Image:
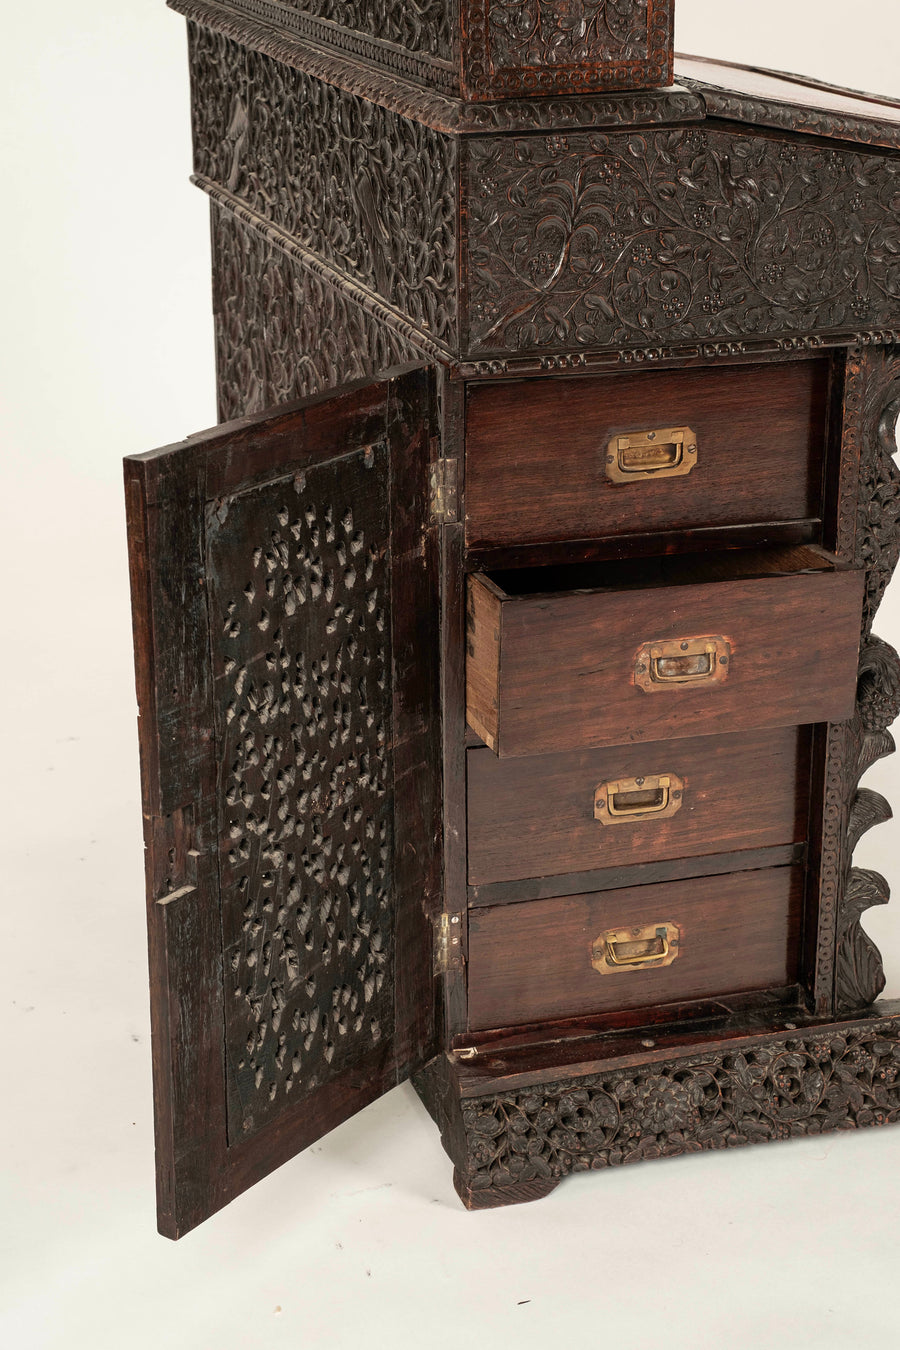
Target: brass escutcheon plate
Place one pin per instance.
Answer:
(668, 452)
(620, 951)
(624, 801)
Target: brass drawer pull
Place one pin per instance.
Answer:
(670, 452)
(622, 949)
(631, 800)
(693, 662)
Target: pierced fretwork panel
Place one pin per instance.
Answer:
(301, 657)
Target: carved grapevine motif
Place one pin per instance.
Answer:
(300, 639)
(282, 332)
(802, 1085)
(596, 240)
(367, 191)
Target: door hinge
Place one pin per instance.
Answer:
(447, 943)
(444, 486)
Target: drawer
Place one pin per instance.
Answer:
(564, 658)
(546, 815)
(573, 956)
(539, 453)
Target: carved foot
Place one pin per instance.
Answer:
(493, 1197)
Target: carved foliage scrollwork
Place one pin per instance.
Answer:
(542, 46)
(369, 192)
(545, 33)
(859, 974)
(598, 240)
(300, 633)
(282, 332)
(793, 1086)
(878, 522)
(872, 402)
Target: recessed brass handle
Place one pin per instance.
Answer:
(685, 662)
(631, 800)
(622, 949)
(669, 452)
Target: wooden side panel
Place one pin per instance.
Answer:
(537, 449)
(284, 573)
(535, 816)
(483, 619)
(567, 676)
(532, 961)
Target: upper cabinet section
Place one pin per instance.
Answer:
(508, 233)
(482, 49)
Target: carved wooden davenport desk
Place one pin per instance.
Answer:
(503, 715)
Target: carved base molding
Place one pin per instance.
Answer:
(513, 1137)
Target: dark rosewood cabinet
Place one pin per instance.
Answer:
(505, 657)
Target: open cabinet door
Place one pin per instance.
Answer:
(284, 581)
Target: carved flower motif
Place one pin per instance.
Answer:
(662, 1105)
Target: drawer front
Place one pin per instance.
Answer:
(538, 451)
(705, 938)
(547, 815)
(548, 673)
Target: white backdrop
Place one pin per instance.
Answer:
(107, 350)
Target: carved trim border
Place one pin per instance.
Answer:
(397, 60)
(372, 304)
(436, 110)
(795, 117)
(535, 364)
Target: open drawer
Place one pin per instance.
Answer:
(611, 653)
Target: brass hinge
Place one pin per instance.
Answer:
(444, 486)
(447, 943)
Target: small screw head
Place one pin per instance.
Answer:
(677, 796)
(648, 1045)
(684, 646)
(640, 782)
(723, 660)
(651, 435)
(610, 459)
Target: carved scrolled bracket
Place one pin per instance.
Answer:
(859, 974)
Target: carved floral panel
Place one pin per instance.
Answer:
(369, 192)
(802, 1085)
(282, 331)
(593, 240)
(555, 46)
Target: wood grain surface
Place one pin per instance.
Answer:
(536, 452)
(534, 816)
(533, 961)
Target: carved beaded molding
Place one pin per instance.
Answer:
(415, 39)
(792, 1085)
